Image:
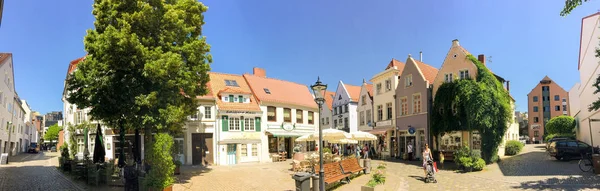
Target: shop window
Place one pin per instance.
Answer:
(271, 113)
(287, 115)
(299, 116)
(272, 144)
(244, 150)
(254, 150)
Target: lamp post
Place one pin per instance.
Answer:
(590, 120)
(319, 90)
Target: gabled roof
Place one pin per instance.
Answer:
(353, 91)
(280, 91)
(398, 64)
(4, 56)
(329, 99)
(369, 89)
(548, 80)
(234, 91)
(217, 85)
(428, 71)
(73, 64)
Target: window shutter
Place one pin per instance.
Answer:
(241, 123)
(257, 124)
(230, 98)
(241, 98)
(225, 123)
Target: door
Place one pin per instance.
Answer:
(208, 152)
(196, 149)
(288, 147)
(231, 154)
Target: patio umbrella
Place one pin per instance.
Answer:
(363, 136)
(344, 141)
(333, 135)
(305, 138)
(99, 152)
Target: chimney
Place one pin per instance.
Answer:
(421, 56)
(508, 85)
(259, 72)
(481, 58)
(455, 43)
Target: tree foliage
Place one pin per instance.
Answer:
(480, 104)
(561, 125)
(147, 62)
(163, 167)
(570, 5)
(52, 133)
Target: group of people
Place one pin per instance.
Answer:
(351, 149)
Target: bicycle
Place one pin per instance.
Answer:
(585, 163)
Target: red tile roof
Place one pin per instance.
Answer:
(281, 91)
(329, 99)
(398, 64)
(4, 56)
(217, 84)
(370, 89)
(353, 91)
(74, 63)
(429, 72)
(233, 90)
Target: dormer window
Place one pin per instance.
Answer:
(231, 83)
(267, 90)
(408, 80)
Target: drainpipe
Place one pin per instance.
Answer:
(429, 107)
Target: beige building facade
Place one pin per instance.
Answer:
(545, 101)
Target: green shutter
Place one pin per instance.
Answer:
(241, 99)
(241, 124)
(230, 98)
(257, 124)
(225, 123)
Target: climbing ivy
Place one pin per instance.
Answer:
(480, 104)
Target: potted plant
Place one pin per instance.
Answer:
(377, 179)
(160, 176)
(177, 164)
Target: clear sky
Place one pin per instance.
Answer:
(344, 40)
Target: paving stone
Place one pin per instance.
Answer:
(33, 172)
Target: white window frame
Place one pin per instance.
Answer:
(234, 121)
(408, 81)
(207, 112)
(226, 98)
(249, 124)
(388, 85)
(378, 86)
(463, 74)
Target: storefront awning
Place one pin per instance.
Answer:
(284, 133)
(240, 141)
(379, 131)
(242, 138)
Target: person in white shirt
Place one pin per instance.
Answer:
(410, 150)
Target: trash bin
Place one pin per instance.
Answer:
(367, 166)
(302, 181)
(315, 182)
(596, 162)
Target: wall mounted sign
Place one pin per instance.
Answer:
(411, 130)
(242, 112)
(288, 126)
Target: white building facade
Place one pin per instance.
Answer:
(365, 107)
(344, 107)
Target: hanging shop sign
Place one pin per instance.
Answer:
(288, 126)
(411, 130)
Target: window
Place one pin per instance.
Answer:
(535, 98)
(241, 99)
(267, 91)
(346, 124)
(564, 100)
(556, 98)
(234, 124)
(80, 145)
(346, 108)
(248, 124)
(536, 133)
(271, 113)
(448, 77)
(207, 112)
(287, 115)
(417, 103)
(311, 116)
(299, 116)
(378, 88)
(231, 98)
(341, 109)
(335, 111)
(389, 110)
(572, 144)
(340, 97)
(327, 120)
(388, 85)
(226, 98)
(363, 100)
(322, 121)
(564, 107)
(236, 99)
(408, 81)
(194, 116)
(335, 123)
(536, 119)
(368, 113)
(254, 150)
(231, 83)
(557, 108)
(379, 113)
(244, 150)
(464, 74)
(341, 122)
(404, 106)
(545, 88)
(361, 116)
(535, 109)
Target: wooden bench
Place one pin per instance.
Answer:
(351, 165)
(333, 172)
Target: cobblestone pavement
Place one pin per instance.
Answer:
(34, 172)
(533, 169)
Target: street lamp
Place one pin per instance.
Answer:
(319, 89)
(590, 120)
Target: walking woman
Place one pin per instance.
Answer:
(426, 156)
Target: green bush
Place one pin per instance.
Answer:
(64, 151)
(462, 152)
(465, 162)
(513, 147)
(327, 150)
(479, 164)
(159, 157)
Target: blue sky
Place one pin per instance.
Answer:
(344, 40)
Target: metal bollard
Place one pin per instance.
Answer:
(315, 182)
(367, 166)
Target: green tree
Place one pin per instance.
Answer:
(480, 104)
(147, 62)
(570, 5)
(52, 133)
(561, 125)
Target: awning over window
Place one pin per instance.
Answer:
(379, 131)
(242, 138)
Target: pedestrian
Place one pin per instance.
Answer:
(426, 156)
(317, 147)
(366, 151)
(357, 151)
(409, 148)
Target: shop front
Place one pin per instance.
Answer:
(281, 138)
(454, 140)
(239, 140)
(412, 130)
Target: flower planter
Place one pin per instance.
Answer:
(368, 188)
(177, 170)
(168, 188)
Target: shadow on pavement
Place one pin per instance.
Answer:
(570, 183)
(419, 178)
(538, 163)
(187, 172)
(540, 147)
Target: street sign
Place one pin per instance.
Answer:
(411, 130)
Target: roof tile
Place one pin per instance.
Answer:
(354, 91)
(4, 56)
(280, 91)
(329, 99)
(217, 84)
(429, 72)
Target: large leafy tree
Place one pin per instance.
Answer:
(561, 125)
(480, 104)
(52, 133)
(147, 61)
(570, 5)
